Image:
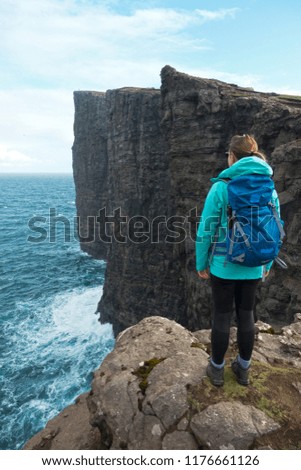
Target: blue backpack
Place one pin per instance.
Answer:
(255, 231)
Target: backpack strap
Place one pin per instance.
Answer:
(277, 218)
(215, 238)
(278, 260)
(281, 263)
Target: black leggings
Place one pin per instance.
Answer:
(225, 293)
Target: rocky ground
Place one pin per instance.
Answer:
(151, 392)
(70, 430)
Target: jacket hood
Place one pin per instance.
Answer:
(245, 166)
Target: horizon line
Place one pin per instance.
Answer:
(36, 173)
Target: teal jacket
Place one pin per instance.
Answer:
(214, 216)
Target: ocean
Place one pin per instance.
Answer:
(50, 338)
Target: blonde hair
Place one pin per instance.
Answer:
(245, 146)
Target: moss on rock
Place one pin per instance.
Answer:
(143, 372)
(271, 390)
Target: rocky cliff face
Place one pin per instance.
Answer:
(144, 157)
(151, 392)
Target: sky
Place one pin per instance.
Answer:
(50, 48)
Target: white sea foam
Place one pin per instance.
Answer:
(72, 313)
(56, 348)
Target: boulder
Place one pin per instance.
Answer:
(151, 392)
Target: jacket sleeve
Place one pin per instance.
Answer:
(208, 225)
(275, 200)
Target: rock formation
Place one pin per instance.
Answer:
(69, 430)
(151, 392)
(144, 157)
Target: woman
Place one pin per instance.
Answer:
(231, 283)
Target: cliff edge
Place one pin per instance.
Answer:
(142, 162)
(151, 392)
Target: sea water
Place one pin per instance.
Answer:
(50, 338)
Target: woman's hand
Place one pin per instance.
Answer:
(204, 274)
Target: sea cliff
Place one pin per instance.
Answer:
(142, 161)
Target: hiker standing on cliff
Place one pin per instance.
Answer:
(234, 282)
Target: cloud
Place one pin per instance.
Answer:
(36, 129)
(207, 15)
(50, 48)
(70, 43)
(10, 157)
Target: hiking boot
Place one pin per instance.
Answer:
(215, 375)
(242, 375)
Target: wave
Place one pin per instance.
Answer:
(48, 359)
(51, 341)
